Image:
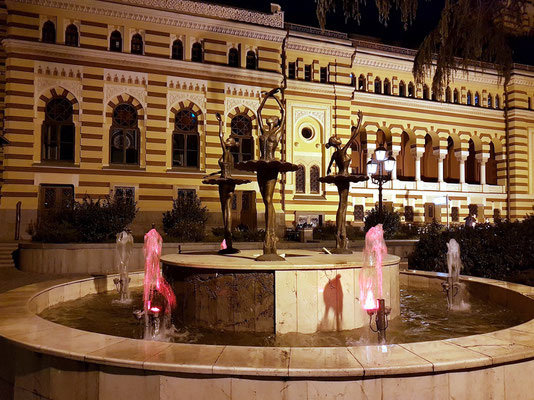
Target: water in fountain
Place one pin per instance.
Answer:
(124, 251)
(158, 297)
(453, 288)
(371, 274)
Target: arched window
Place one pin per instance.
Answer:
(472, 166)
(425, 92)
(448, 95)
(300, 180)
(469, 98)
(402, 89)
(411, 90)
(490, 102)
(185, 139)
(241, 131)
(177, 50)
(378, 85)
(456, 97)
(115, 41)
(196, 52)
(352, 80)
(387, 86)
(137, 44)
(315, 186)
(124, 135)
(58, 131)
(497, 102)
(405, 160)
(233, 57)
(49, 32)
(71, 35)
(429, 163)
(451, 165)
(477, 99)
(491, 166)
(251, 60)
(361, 83)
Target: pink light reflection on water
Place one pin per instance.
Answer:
(154, 282)
(371, 274)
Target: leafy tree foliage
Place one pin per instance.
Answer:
(187, 219)
(390, 221)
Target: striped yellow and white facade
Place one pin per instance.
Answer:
(323, 97)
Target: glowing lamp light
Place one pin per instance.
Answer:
(372, 167)
(389, 164)
(380, 153)
(155, 309)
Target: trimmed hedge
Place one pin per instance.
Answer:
(490, 251)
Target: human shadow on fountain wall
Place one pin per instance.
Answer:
(333, 299)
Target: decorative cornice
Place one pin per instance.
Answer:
(159, 17)
(328, 49)
(125, 77)
(190, 84)
(275, 20)
(232, 89)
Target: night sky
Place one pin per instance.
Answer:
(428, 13)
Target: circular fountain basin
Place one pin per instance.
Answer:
(57, 362)
(308, 292)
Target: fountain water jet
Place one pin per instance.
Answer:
(452, 287)
(124, 251)
(158, 297)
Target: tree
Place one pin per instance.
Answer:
(468, 31)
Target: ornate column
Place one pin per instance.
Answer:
(440, 155)
(462, 157)
(482, 158)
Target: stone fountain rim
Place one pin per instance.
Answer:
(20, 325)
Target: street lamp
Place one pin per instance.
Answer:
(379, 168)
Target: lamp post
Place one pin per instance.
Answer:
(379, 169)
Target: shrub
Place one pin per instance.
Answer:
(186, 220)
(89, 221)
(492, 251)
(390, 221)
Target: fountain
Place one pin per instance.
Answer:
(342, 180)
(226, 184)
(124, 251)
(158, 297)
(452, 286)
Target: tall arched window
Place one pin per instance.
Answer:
(315, 186)
(469, 98)
(448, 95)
(58, 131)
(352, 80)
(251, 60)
(451, 165)
(185, 139)
(49, 32)
(425, 92)
(490, 102)
(411, 90)
(361, 83)
(233, 57)
(177, 50)
(300, 179)
(456, 97)
(429, 163)
(402, 89)
(115, 41)
(491, 166)
(387, 86)
(71, 35)
(497, 102)
(124, 135)
(378, 85)
(477, 99)
(405, 160)
(196, 52)
(472, 166)
(137, 44)
(241, 131)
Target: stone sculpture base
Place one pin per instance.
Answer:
(343, 185)
(226, 190)
(267, 172)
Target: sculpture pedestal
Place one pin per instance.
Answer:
(226, 190)
(267, 172)
(343, 185)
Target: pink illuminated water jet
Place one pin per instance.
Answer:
(371, 274)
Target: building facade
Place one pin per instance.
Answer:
(119, 98)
